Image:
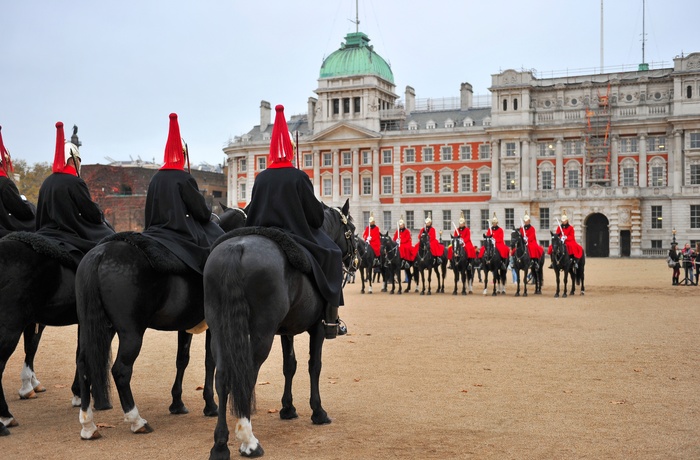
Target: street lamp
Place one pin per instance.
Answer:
(674, 236)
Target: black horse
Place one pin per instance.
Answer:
(461, 266)
(365, 261)
(36, 287)
(493, 263)
(125, 285)
(391, 262)
(426, 261)
(561, 261)
(532, 269)
(253, 292)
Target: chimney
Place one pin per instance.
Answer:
(466, 96)
(311, 112)
(410, 97)
(265, 114)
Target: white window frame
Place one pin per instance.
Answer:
(387, 185)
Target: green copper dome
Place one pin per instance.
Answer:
(356, 57)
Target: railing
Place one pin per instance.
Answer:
(654, 252)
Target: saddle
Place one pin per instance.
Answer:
(159, 256)
(44, 246)
(291, 249)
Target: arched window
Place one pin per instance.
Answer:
(505, 104)
(515, 104)
(689, 92)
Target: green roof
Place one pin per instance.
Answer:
(356, 57)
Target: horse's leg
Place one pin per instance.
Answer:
(398, 275)
(32, 335)
(85, 416)
(566, 281)
(456, 272)
(75, 387)
(316, 336)
(496, 279)
(129, 347)
(430, 279)
(220, 449)
(210, 407)
(8, 343)
(289, 368)
(517, 279)
(486, 282)
(184, 340)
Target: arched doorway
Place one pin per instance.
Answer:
(597, 236)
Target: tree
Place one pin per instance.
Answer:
(29, 178)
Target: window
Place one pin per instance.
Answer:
(387, 220)
(356, 104)
(695, 174)
(427, 154)
(510, 218)
(446, 180)
(485, 182)
(657, 176)
(484, 151)
(546, 149)
(510, 180)
(628, 145)
(544, 218)
(689, 92)
(336, 106)
(347, 186)
(262, 163)
(347, 158)
(484, 219)
(216, 193)
(410, 220)
(628, 176)
(695, 140)
(546, 183)
(241, 192)
(510, 149)
(656, 144)
(515, 104)
(366, 185)
(346, 105)
(465, 152)
(327, 186)
(573, 148)
(410, 155)
(572, 178)
(447, 220)
(465, 183)
(695, 216)
(505, 104)
(386, 185)
(467, 217)
(656, 244)
(327, 160)
(386, 157)
(446, 153)
(242, 165)
(308, 160)
(427, 183)
(409, 184)
(366, 157)
(657, 217)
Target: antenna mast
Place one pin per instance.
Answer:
(601, 36)
(357, 16)
(644, 35)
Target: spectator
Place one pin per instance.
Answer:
(688, 258)
(673, 257)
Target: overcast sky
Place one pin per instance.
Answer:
(117, 69)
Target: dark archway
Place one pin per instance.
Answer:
(597, 236)
(625, 243)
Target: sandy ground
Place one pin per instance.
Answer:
(614, 374)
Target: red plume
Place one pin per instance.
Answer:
(59, 159)
(5, 160)
(281, 149)
(174, 157)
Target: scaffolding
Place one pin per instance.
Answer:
(597, 137)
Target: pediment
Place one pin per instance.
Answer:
(345, 131)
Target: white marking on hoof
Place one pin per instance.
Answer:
(370, 289)
(244, 433)
(135, 419)
(75, 402)
(27, 389)
(89, 427)
(38, 387)
(486, 291)
(8, 421)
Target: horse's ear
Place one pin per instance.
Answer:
(346, 207)
(223, 206)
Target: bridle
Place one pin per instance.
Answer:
(350, 250)
(521, 253)
(560, 253)
(389, 254)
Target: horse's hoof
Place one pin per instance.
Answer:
(362, 291)
(30, 395)
(430, 293)
(582, 292)
(211, 411)
(321, 418)
(454, 292)
(289, 413)
(258, 452)
(178, 409)
(384, 290)
(556, 296)
(517, 294)
(95, 435)
(3, 430)
(564, 295)
(525, 294)
(13, 423)
(494, 294)
(144, 429)
(398, 292)
(40, 388)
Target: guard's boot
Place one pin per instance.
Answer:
(551, 266)
(438, 261)
(330, 322)
(342, 328)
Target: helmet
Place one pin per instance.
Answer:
(428, 220)
(281, 146)
(564, 219)
(462, 220)
(494, 220)
(70, 150)
(401, 221)
(526, 217)
(371, 218)
(175, 147)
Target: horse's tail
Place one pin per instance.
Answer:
(227, 311)
(95, 335)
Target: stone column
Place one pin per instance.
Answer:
(642, 160)
(336, 178)
(495, 169)
(317, 172)
(674, 162)
(375, 175)
(559, 168)
(525, 174)
(355, 176)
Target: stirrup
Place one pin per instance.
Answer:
(342, 328)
